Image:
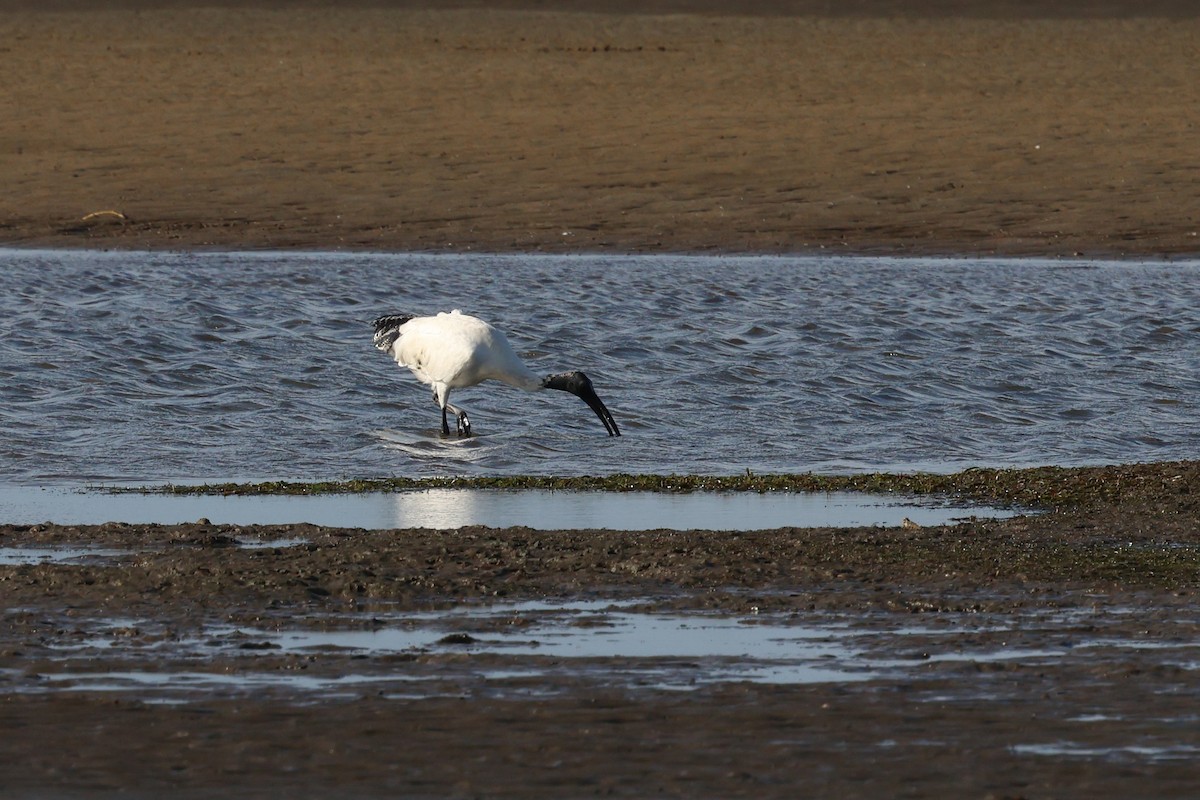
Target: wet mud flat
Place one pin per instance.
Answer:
(1039, 656)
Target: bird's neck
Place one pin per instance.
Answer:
(523, 378)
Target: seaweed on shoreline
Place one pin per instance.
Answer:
(1168, 485)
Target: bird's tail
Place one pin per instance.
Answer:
(387, 330)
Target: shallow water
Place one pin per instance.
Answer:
(454, 508)
(136, 367)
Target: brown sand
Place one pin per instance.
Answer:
(924, 126)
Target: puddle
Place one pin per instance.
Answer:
(454, 508)
(718, 649)
(1152, 753)
(615, 635)
(205, 681)
(25, 556)
(14, 556)
(269, 544)
(979, 657)
(524, 648)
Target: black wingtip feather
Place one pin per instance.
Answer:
(387, 329)
(390, 321)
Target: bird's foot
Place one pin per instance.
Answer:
(464, 424)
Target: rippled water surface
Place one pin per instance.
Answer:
(136, 367)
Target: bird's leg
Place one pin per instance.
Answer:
(463, 424)
(442, 405)
(441, 396)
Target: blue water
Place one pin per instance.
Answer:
(149, 367)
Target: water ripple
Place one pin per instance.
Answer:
(184, 366)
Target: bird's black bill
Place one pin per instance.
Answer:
(580, 385)
(588, 395)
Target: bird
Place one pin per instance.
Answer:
(453, 350)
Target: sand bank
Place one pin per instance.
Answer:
(898, 127)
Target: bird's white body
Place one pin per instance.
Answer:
(453, 350)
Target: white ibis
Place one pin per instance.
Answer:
(454, 350)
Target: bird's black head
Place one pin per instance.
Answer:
(580, 385)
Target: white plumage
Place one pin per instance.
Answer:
(453, 350)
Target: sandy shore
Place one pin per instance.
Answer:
(883, 126)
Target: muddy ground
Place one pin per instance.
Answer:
(1049, 655)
